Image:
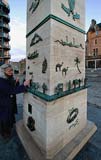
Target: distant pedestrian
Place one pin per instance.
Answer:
(8, 107)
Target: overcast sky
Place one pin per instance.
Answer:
(18, 29)
(18, 24)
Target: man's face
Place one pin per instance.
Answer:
(9, 71)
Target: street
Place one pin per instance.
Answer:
(13, 150)
(92, 151)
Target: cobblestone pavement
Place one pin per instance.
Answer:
(13, 149)
(92, 151)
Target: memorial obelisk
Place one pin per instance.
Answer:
(55, 107)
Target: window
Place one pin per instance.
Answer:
(0, 20)
(98, 64)
(0, 29)
(0, 42)
(0, 9)
(95, 41)
(93, 52)
(96, 51)
(91, 64)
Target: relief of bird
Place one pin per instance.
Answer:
(71, 5)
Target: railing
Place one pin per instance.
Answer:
(5, 4)
(5, 16)
(7, 56)
(5, 46)
(4, 1)
(5, 36)
(5, 25)
(93, 57)
(1, 54)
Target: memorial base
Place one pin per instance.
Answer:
(67, 153)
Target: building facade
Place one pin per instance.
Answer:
(22, 66)
(93, 46)
(19, 67)
(4, 32)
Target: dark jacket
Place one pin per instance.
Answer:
(6, 92)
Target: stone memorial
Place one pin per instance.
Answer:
(55, 107)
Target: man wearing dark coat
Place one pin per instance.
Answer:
(8, 90)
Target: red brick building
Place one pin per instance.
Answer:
(93, 46)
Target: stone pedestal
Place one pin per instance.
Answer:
(56, 122)
(55, 107)
(67, 153)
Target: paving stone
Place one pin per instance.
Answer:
(13, 149)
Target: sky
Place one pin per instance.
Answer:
(17, 29)
(92, 11)
(18, 24)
